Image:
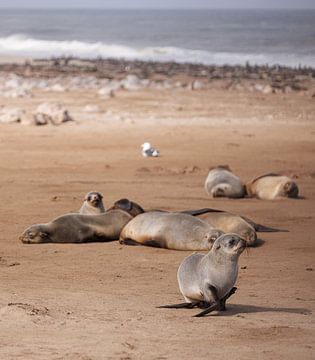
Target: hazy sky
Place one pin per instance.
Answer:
(158, 4)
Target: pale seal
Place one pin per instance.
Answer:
(169, 230)
(207, 281)
(221, 182)
(272, 186)
(77, 228)
(93, 204)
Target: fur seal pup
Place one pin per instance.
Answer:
(93, 204)
(207, 281)
(131, 207)
(169, 230)
(272, 186)
(77, 228)
(221, 182)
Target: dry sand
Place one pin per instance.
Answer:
(98, 301)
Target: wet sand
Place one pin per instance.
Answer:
(98, 301)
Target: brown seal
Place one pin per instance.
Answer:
(221, 182)
(272, 186)
(77, 228)
(93, 204)
(131, 207)
(207, 281)
(169, 230)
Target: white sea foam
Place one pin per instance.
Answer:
(22, 45)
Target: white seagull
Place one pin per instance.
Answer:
(149, 151)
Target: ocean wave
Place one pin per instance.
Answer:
(22, 45)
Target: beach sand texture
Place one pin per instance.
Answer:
(98, 301)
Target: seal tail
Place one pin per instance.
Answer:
(200, 211)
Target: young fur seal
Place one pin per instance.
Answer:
(93, 204)
(169, 230)
(221, 182)
(272, 186)
(77, 228)
(207, 281)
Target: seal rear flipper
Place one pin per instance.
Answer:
(185, 305)
(200, 211)
(262, 228)
(128, 241)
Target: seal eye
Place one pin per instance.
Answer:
(232, 242)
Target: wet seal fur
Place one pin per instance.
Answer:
(207, 281)
(272, 186)
(221, 182)
(77, 228)
(169, 230)
(93, 204)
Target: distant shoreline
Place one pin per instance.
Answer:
(267, 79)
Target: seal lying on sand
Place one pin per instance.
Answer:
(169, 230)
(231, 223)
(77, 228)
(93, 204)
(221, 182)
(272, 186)
(207, 281)
(131, 207)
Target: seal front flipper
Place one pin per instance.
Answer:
(214, 306)
(223, 300)
(200, 211)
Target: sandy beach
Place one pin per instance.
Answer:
(98, 301)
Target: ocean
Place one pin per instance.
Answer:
(211, 37)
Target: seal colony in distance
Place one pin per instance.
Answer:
(175, 231)
(93, 204)
(272, 186)
(77, 228)
(221, 182)
(207, 281)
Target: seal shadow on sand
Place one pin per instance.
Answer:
(237, 309)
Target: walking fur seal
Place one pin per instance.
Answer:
(93, 204)
(221, 182)
(207, 281)
(77, 228)
(272, 186)
(169, 230)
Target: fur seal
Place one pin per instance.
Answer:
(272, 186)
(221, 182)
(231, 223)
(207, 281)
(131, 207)
(169, 230)
(93, 204)
(77, 228)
